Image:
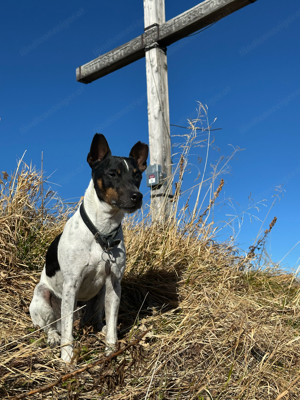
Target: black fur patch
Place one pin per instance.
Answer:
(52, 265)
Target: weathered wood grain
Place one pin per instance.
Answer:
(164, 34)
(158, 108)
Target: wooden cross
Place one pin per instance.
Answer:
(152, 44)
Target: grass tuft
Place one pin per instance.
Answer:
(29, 218)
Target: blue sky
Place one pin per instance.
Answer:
(245, 68)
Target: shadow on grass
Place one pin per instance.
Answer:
(147, 294)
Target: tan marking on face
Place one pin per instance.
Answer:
(118, 171)
(100, 184)
(135, 171)
(111, 195)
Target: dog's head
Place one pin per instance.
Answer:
(117, 179)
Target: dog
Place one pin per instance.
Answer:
(86, 262)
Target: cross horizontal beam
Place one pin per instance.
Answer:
(177, 28)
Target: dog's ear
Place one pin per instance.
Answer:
(139, 153)
(99, 149)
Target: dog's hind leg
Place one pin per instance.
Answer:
(44, 311)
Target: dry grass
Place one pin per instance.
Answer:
(29, 218)
(218, 328)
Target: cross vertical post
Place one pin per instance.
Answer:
(158, 109)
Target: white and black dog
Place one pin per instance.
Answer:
(85, 264)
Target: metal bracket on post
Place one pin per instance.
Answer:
(155, 179)
(150, 38)
(154, 175)
(151, 35)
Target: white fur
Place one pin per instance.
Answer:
(126, 164)
(83, 275)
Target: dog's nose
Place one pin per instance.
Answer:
(136, 197)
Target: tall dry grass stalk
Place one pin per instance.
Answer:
(216, 331)
(29, 218)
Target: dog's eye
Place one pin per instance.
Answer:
(112, 174)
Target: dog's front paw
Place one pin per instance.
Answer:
(53, 338)
(67, 353)
(110, 348)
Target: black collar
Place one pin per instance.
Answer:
(107, 242)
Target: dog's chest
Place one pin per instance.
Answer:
(101, 267)
(93, 279)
